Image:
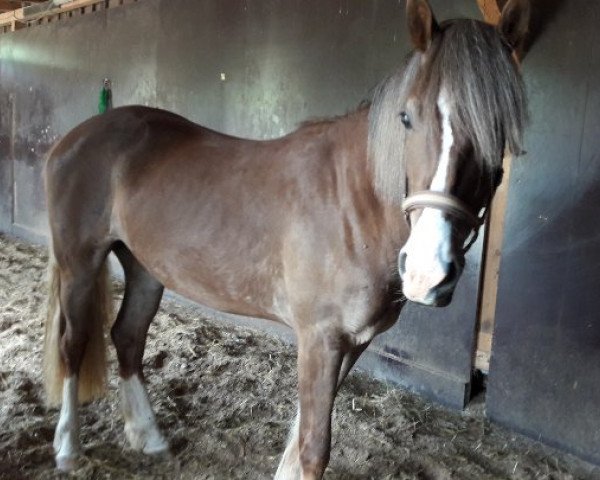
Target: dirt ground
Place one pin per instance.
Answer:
(224, 397)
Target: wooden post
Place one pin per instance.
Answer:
(490, 10)
(492, 248)
(492, 254)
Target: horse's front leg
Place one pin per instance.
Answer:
(322, 366)
(319, 362)
(289, 466)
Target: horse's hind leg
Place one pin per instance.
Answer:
(74, 352)
(140, 303)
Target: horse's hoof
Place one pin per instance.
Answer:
(157, 446)
(148, 440)
(66, 463)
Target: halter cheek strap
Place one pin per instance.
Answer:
(449, 204)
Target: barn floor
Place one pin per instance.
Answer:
(224, 397)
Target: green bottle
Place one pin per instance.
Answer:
(105, 102)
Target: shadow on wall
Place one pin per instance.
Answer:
(543, 12)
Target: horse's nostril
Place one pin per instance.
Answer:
(452, 270)
(402, 264)
(451, 273)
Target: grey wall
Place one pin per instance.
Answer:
(50, 81)
(545, 366)
(283, 61)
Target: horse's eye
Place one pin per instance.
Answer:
(405, 119)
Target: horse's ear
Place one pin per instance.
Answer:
(421, 23)
(514, 22)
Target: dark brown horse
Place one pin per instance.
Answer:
(309, 230)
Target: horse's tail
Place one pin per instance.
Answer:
(92, 372)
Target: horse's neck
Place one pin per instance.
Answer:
(352, 162)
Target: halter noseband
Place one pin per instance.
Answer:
(449, 204)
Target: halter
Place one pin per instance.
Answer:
(449, 204)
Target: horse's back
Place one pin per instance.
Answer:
(114, 133)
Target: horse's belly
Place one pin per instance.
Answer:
(207, 242)
(208, 274)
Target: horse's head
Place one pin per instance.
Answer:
(438, 133)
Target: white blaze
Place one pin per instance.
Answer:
(439, 180)
(428, 249)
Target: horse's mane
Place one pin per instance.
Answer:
(474, 66)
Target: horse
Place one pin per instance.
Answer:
(328, 230)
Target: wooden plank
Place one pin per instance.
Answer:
(492, 245)
(76, 7)
(18, 15)
(490, 10)
(8, 17)
(492, 250)
(491, 268)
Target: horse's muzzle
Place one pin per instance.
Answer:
(415, 287)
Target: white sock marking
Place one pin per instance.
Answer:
(66, 437)
(140, 424)
(289, 466)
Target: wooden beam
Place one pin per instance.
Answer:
(492, 255)
(9, 18)
(9, 5)
(492, 249)
(490, 10)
